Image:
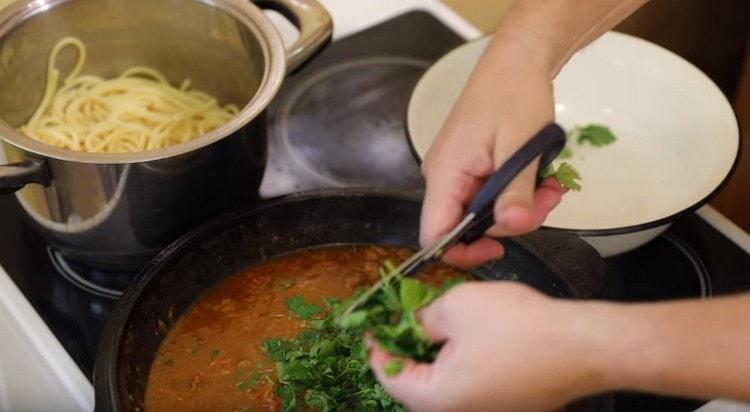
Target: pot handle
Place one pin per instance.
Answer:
(14, 176)
(314, 24)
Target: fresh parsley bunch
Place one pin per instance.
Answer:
(326, 367)
(391, 315)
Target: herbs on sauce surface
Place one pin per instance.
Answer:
(326, 366)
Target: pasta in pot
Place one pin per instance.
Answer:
(138, 110)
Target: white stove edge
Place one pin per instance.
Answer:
(725, 226)
(29, 346)
(35, 370)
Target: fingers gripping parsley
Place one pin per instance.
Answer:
(391, 316)
(326, 367)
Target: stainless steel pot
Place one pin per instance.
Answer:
(117, 210)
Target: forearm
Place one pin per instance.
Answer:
(534, 40)
(689, 348)
(555, 29)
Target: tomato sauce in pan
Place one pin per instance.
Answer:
(213, 358)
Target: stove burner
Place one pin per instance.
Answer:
(344, 125)
(701, 272)
(109, 285)
(666, 268)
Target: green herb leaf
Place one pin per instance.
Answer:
(288, 397)
(214, 354)
(411, 293)
(304, 310)
(595, 134)
(275, 349)
(326, 367)
(393, 367)
(566, 174)
(354, 319)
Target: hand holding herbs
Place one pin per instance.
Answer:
(507, 347)
(326, 366)
(390, 314)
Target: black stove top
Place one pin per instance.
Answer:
(340, 122)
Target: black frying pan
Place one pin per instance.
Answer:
(558, 265)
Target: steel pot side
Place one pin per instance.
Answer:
(116, 210)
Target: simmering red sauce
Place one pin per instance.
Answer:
(213, 358)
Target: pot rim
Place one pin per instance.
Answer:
(107, 391)
(245, 12)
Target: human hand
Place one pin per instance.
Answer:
(506, 347)
(504, 104)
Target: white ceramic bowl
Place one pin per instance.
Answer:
(677, 135)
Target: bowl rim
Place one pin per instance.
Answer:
(618, 230)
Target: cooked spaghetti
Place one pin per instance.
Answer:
(136, 111)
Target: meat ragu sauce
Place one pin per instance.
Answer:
(212, 358)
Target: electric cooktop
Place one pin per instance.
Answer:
(339, 122)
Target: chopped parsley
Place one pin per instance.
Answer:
(299, 307)
(566, 174)
(393, 367)
(326, 367)
(248, 379)
(595, 134)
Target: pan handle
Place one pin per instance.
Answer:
(314, 24)
(14, 176)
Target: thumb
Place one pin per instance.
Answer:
(414, 384)
(513, 207)
(519, 212)
(448, 189)
(411, 386)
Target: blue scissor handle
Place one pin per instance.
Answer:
(547, 143)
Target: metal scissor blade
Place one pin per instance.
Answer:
(547, 142)
(415, 262)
